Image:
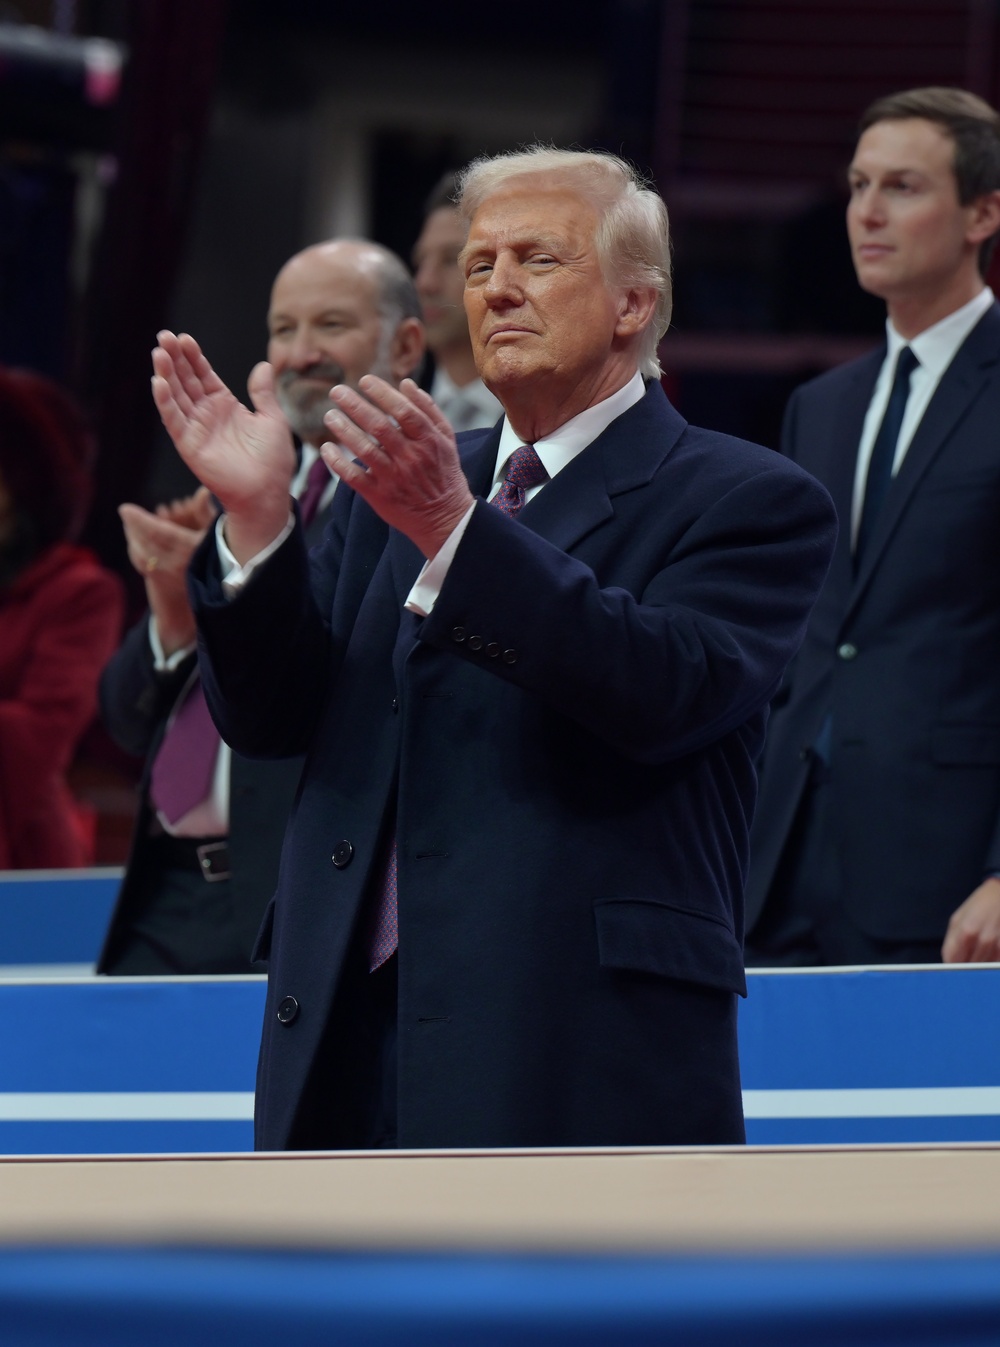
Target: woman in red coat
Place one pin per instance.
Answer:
(60, 621)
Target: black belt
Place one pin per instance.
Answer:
(208, 855)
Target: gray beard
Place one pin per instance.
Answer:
(304, 407)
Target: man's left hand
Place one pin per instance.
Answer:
(973, 934)
(394, 447)
(160, 546)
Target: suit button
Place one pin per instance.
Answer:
(475, 643)
(343, 854)
(847, 651)
(804, 754)
(395, 703)
(458, 634)
(288, 1010)
(493, 650)
(510, 657)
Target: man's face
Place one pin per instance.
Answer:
(325, 329)
(439, 280)
(909, 234)
(541, 315)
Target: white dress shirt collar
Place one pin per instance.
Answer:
(563, 445)
(937, 346)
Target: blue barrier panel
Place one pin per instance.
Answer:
(852, 1055)
(109, 1065)
(872, 1054)
(119, 1297)
(55, 916)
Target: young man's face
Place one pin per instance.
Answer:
(910, 236)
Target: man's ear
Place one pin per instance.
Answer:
(636, 309)
(984, 217)
(409, 342)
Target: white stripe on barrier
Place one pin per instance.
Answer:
(237, 1105)
(945, 1102)
(134, 1106)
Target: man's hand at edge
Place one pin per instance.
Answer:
(973, 934)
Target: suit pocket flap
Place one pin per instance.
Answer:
(966, 745)
(645, 936)
(262, 945)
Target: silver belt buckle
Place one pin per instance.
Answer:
(206, 854)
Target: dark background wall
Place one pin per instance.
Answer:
(243, 131)
(163, 180)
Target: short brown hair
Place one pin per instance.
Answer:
(973, 126)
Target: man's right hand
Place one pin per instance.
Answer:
(245, 458)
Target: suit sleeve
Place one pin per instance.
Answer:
(664, 666)
(266, 655)
(790, 426)
(135, 697)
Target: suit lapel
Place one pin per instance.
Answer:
(624, 456)
(847, 424)
(960, 385)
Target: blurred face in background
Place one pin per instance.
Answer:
(324, 328)
(439, 279)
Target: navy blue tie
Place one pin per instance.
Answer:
(884, 451)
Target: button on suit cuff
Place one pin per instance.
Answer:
(427, 586)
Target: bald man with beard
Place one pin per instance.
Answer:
(197, 882)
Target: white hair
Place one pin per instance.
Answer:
(633, 236)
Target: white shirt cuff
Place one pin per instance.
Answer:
(165, 663)
(235, 576)
(427, 586)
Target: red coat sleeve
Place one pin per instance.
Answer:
(56, 634)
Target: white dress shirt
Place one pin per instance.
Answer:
(935, 348)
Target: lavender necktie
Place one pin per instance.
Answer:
(524, 470)
(182, 770)
(185, 763)
(317, 480)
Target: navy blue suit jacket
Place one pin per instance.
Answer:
(566, 746)
(905, 654)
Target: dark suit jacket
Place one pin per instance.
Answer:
(906, 655)
(567, 744)
(136, 702)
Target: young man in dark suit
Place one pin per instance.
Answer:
(877, 836)
(531, 671)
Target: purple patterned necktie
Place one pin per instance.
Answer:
(524, 470)
(318, 479)
(185, 763)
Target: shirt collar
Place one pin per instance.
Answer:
(937, 345)
(563, 445)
